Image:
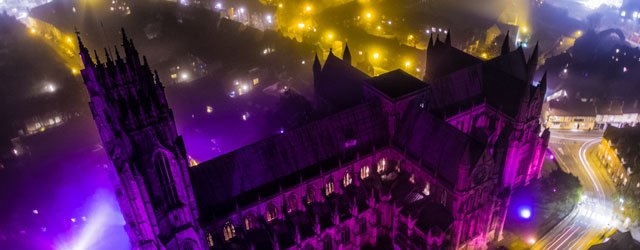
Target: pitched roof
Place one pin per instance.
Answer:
(443, 60)
(439, 147)
(396, 84)
(572, 108)
(340, 83)
(245, 170)
(500, 82)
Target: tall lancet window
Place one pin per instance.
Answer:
(162, 164)
(364, 172)
(229, 231)
(328, 187)
(347, 180)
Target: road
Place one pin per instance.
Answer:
(574, 152)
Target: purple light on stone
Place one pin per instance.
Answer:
(551, 157)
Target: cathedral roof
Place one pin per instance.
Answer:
(437, 145)
(396, 84)
(340, 84)
(443, 60)
(252, 171)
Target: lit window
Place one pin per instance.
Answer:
(272, 212)
(382, 165)
(292, 203)
(329, 186)
(229, 231)
(310, 195)
(249, 221)
(364, 172)
(210, 239)
(347, 179)
(427, 189)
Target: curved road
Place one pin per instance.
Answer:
(591, 218)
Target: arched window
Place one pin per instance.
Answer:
(272, 212)
(249, 221)
(364, 172)
(327, 243)
(382, 165)
(311, 194)
(347, 180)
(427, 189)
(210, 239)
(162, 164)
(292, 203)
(329, 186)
(229, 231)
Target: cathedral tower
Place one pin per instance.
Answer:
(138, 132)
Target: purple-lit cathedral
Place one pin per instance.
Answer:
(396, 162)
(139, 134)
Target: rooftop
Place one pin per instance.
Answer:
(397, 83)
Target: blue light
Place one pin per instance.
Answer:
(525, 213)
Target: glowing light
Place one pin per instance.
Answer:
(376, 56)
(368, 15)
(184, 76)
(525, 29)
(280, 5)
(50, 88)
(531, 241)
(209, 109)
(484, 55)
(74, 71)
(35, 211)
(218, 6)
(33, 30)
(241, 10)
(525, 213)
(307, 8)
(330, 36)
(301, 25)
(551, 157)
(407, 64)
(69, 39)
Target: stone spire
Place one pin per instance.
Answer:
(532, 64)
(447, 40)
(317, 68)
(346, 56)
(84, 52)
(506, 47)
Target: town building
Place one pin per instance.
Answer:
(395, 162)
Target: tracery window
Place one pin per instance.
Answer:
(162, 166)
(329, 186)
(347, 180)
(364, 172)
(272, 212)
(292, 203)
(310, 194)
(382, 166)
(229, 231)
(427, 189)
(249, 221)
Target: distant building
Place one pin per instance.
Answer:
(619, 152)
(394, 163)
(617, 113)
(571, 114)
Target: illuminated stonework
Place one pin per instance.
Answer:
(395, 162)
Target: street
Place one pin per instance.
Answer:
(574, 152)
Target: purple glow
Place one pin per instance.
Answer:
(551, 157)
(525, 212)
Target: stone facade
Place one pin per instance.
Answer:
(394, 162)
(138, 132)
